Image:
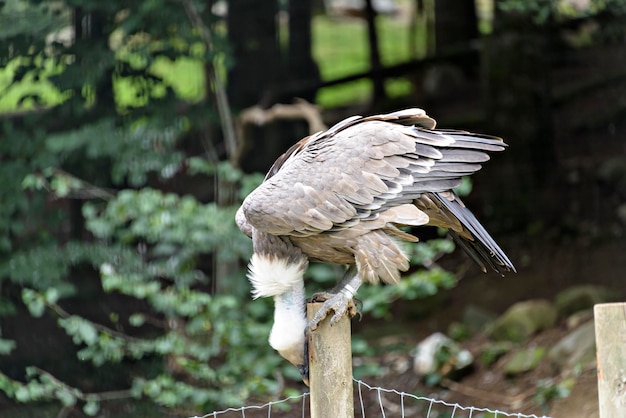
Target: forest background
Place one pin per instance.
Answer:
(128, 139)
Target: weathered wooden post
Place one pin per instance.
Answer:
(330, 367)
(610, 324)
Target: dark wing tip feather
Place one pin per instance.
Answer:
(482, 249)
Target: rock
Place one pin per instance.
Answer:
(474, 320)
(524, 360)
(439, 356)
(458, 332)
(490, 353)
(578, 347)
(522, 320)
(580, 298)
(579, 318)
(477, 319)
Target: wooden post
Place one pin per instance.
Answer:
(610, 324)
(330, 367)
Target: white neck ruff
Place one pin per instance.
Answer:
(272, 276)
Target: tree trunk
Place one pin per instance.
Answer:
(252, 33)
(456, 25)
(375, 61)
(302, 69)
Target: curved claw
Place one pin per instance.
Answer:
(358, 308)
(339, 303)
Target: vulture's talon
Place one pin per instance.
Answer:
(339, 303)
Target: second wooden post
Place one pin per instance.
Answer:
(330, 367)
(610, 323)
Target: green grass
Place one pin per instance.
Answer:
(339, 46)
(340, 49)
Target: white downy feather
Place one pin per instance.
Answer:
(271, 276)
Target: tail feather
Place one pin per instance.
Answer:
(481, 247)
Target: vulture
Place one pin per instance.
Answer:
(343, 196)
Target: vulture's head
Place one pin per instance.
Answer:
(277, 269)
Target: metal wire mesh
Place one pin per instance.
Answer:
(393, 403)
(371, 402)
(287, 404)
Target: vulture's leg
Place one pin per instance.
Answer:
(339, 300)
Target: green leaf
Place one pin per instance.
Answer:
(66, 397)
(34, 302)
(87, 332)
(22, 394)
(6, 346)
(52, 295)
(91, 408)
(137, 320)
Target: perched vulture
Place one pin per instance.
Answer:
(341, 195)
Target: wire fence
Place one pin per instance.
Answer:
(265, 410)
(371, 402)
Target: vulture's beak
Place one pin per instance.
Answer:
(304, 372)
(304, 368)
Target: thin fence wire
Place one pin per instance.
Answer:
(372, 402)
(262, 408)
(435, 408)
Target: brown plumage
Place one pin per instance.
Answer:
(339, 197)
(339, 194)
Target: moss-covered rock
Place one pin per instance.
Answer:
(476, 319)
(578, 347)
(490, 353)
(580, 298)
(522, 320)
(524, 360)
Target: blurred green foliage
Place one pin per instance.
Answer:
(541, 11)
(93, 129)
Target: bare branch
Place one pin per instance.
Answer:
(101, 328)
(86, 397)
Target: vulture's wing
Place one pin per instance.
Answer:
(362, 167)
(416, 117)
